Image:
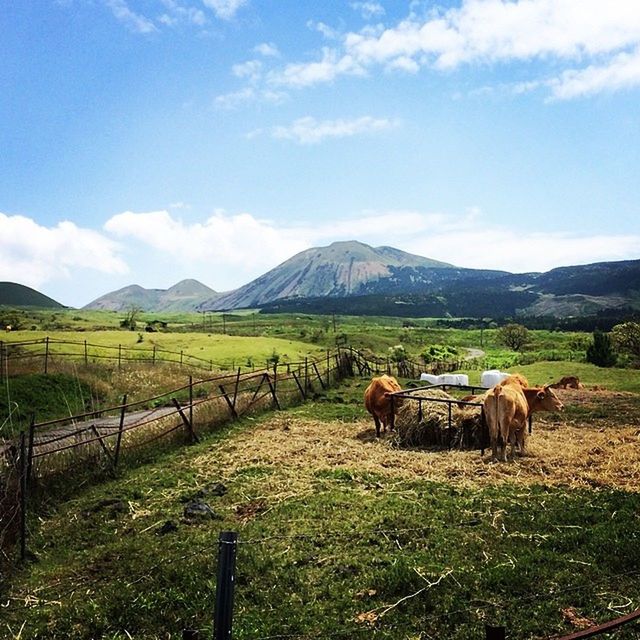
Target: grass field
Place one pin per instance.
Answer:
(345, 534)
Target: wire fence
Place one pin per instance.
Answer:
(97, 441)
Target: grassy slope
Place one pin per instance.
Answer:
(223, 350)
(343, 528)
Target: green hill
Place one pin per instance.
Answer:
(13, 294)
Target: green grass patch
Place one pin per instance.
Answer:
(323, 551)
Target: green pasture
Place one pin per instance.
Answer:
(223, 351)
(341, 549)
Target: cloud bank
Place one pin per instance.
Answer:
(33, 254)
(589, 46)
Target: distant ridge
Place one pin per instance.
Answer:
(186, 295)
(13, 294)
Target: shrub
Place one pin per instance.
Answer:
(600, 352)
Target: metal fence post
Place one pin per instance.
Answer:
(223, 614)
(32, 429)
(123, 409)
(46, 354)
(190, 399)
(23, 497)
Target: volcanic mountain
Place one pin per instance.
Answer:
(186, 295)
(341, 269)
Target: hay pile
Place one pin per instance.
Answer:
(426, 423)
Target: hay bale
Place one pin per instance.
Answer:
(430, 426)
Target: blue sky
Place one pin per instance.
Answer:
(147, 141)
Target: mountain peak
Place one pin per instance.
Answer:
(340, 269)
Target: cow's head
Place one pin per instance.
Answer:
(548, 400)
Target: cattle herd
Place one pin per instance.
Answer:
(507, 407)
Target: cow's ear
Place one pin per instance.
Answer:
(541, 394)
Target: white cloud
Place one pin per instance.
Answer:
(308, 130)
(605, 35)
(369, 10)
(32, 254)
(225, 9)
(249, 94)
(267, 49)
(179, 13)
(133, 21)
(240, 243)
(252, 70)
(622, 72)
(306, 74)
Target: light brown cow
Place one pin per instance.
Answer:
(570, 382)
(379, 404)
(507, 409)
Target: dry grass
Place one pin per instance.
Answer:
(560, 454)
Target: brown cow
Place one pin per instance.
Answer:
(570, 382)
(378, 402)
(507, 409)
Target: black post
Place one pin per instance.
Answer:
(46, 354)
(530, 423)
(154, 355)
(123, 409)
(23, 497)
(119, 356)
(190, 401)
(32, 429)
(86, 355)
(223, 614)
(190, 634)
(1, 361)
(494, 633)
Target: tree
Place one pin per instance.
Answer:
(626, 338)
(600, 352)
(130, 318)
(513, 335)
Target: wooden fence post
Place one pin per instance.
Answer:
(235, 389)
(297, 381)
(46, 354)
(153, 361)
(273, 391)
(306, 377)
(234, 413)
(23, 497)
(123, 409)
(119, 356)
(192, 436)
(328, 370)
(1, 361)
(223, 614)
(181, 358)
(86, 355)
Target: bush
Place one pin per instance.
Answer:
(600, 352)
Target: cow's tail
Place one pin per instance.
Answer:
(499, 436)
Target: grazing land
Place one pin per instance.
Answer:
(344, 533)
(341, 534)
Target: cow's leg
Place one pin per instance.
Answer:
(377, 422)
